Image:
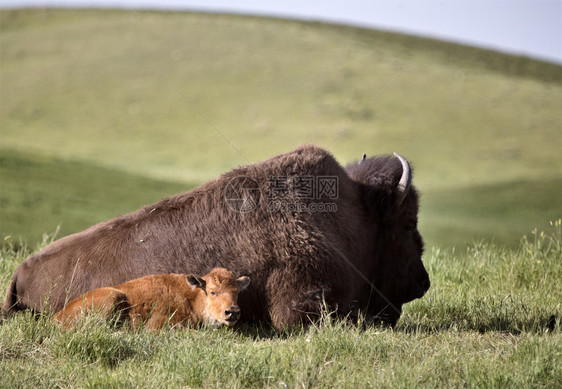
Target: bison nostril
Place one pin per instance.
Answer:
(425, 284)
(421, 287)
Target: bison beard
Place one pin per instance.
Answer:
(365, 253)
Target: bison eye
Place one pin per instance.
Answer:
(212, 293)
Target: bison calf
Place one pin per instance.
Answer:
(161, 300)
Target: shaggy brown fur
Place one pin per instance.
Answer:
(157, 301)
(365, 254)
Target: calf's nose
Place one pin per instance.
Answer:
(232, 313)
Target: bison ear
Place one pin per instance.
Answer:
(195, 282)
(243, 282)
(387, 191)
(378, 199)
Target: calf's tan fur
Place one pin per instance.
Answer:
(157, 301)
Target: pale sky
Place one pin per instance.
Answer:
(524, 27)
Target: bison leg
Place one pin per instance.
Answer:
(156, 320)
(109, 302)
(298, 309)
(10, 304)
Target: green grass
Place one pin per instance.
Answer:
(95, 96)
(494, 212)
(483, 323)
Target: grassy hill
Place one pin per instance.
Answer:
(97, 115)
(41, 195)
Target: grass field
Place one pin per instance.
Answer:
(104, 111)
(484, 323)
(111, 93)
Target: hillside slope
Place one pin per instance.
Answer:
(183, 97)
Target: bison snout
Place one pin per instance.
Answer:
(232, 313)
(423, 286)
(426, 284)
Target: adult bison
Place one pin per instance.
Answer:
(303, 228)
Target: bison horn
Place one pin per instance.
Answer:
(363, 157)
(406, 179)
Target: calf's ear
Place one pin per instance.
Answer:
(195, 282)
(243, 282)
